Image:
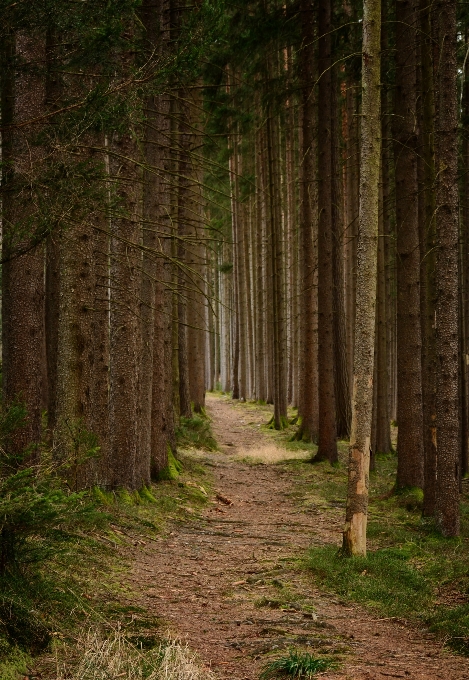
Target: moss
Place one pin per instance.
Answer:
(146, 495)
(172, 470)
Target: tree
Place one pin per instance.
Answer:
(23, 285)
(409, 345)
(447, 312)
(327, 435)
(354, 537)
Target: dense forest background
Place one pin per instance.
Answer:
(259, 198)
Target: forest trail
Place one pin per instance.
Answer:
(227, 583)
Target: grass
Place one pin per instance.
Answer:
(43, 606)
(113, 656)
(296, 664)
(411, 572)
(196, 433)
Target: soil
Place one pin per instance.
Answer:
(228, 582)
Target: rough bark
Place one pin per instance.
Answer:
(354, 537)
(447, 317)
(409, 344)
(124, 314)
(428, 259)
(23, 313)
(308, 410)
(327, 440)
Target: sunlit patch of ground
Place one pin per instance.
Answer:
(269, 454)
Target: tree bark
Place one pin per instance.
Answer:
(327, 435)
(409, 344)
(354, 537)
(308, 410)
(124, 314)
(447, 317)
(23, 312)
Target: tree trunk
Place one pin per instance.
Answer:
(409, 345)
(327, 439)
(354, 538)
(124, 315)
(428, 259)
(23, 312)
(447, 318)
(308, 410)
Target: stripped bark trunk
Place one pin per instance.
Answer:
(354, 537)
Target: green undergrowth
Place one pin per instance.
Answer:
(64, 558)
(295, 664)
(410, 572)
(196, 433)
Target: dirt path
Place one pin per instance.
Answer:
(228, 584)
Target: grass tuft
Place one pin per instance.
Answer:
(102, 658)
(297, 664)
(196, 432)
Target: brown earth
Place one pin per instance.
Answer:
(228, 584)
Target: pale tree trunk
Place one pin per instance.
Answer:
(447, 317)
(23, 311)
(308, 401)
(354, 537)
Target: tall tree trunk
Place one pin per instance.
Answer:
(23, 312)
(447, 317)
(75, 351)
(124, 314)
(195, 256)
(308, 403)
(341, 378)
(354, 538)
(276, 253)
(409, 345)
(428, 259)
(327, 439)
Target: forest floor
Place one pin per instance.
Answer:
(229, 581)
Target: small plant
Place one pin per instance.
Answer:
(297, 664)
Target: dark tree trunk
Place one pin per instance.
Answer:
(23, 312)
(327, 439)
(409, 345)
(447, 313)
